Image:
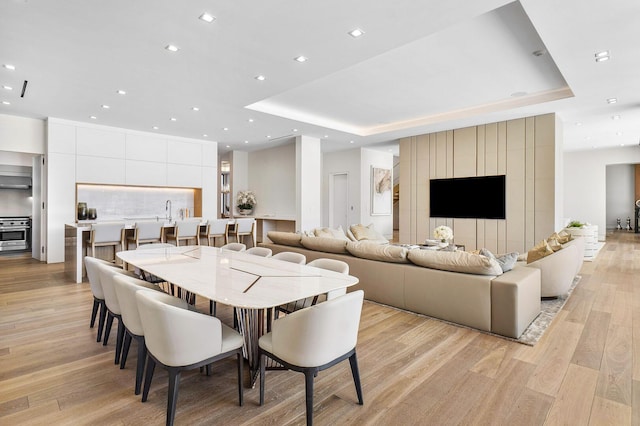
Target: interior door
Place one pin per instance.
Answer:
(339, 200)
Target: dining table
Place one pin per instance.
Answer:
(253, 285)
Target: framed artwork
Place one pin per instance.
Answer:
(381, 193)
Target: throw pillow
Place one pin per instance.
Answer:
(563, 236)
(455, 261)
(554, 244)
(331, 233)
(373, 251)
(285, 238)
(325, 244)
(361, 232)
(539, 251)
(506, 261)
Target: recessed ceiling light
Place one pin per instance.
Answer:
(326, 136)
(7, 87)
(225, 128)
(602, 56)
(612, 100)
(268, 136)
(246, 141)
(228, 146)
(195, 109)
(205, 135)
(250, 120)
(105, 106)
(539, 52)
(621, 144)
(9, 67)
(619, 133)
(260, 77)
(602, 59)
(355, 33)
(171, 48)
(93, 117)
(155, 127)
(578, 123)
(350, 141)
(121, 92)
(615, 117)
(294, 130)
(300, 59)
(206, 17)
(173, 119)
(6, 103)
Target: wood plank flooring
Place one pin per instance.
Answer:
(415, 371)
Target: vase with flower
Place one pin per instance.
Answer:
(246, 201)
(444, 234)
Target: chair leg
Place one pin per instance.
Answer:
(101, 320)
(212, 307)
(172, 398)
(263, 364)
(107, 328)
(142, 356)
(356, 377)
(308, 388)
(125, 349)
(240, 374)
(119, 340)
(148, 376)
(94, 312)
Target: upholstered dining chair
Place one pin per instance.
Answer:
(313, 339)
(91, 264)
(148, 231)
(216, 228)
(331, 265)
(105, 234)
(260, 251)
(113, 306)
(290, 256)
(126, 288)
(185, 230)
(245, 227)
(174, 338)
(234, 247)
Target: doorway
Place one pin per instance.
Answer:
(339, 200)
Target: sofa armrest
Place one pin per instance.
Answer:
(558, 271)
(515, 301)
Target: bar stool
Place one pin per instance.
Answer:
(216, 228)
(185, 230)
(245, 227)
(105, 234)
(146, 232)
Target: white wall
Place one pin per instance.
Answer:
(620, 194)
(239, 177)
(85, 153)
(308, 183)
(20, 134)
(585, 189)
(272, 176)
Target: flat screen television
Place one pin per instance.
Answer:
(479, 197)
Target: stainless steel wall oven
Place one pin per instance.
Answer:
(15, 233)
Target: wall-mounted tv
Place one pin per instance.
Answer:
(479, 197)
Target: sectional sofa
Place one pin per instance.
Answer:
(484, 299)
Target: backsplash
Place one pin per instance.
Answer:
(16, 202)
(130, 202)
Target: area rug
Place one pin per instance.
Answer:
(549, 308)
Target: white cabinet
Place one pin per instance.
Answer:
(590, 235)
(99, 170)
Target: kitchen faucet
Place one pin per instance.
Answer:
(167, 210)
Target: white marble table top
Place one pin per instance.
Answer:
(236, 278)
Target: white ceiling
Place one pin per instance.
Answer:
(421, 66)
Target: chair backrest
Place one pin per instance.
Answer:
(234, 247)
(330, 264)
(106, 280)
(244, 225)
(91, 263)
(218, 226)
(107, 231)
(260, 251)
(187, 228)
(173, 334)
(147, 230)
(316, 335)
(126, 288)
(290, 256)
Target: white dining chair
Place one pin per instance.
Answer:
(144, 232)
(260, 251)
(105, 234)
(313, 339)
(174, 339)
(185, 230)
(216, 228)
(234, 247)
(331, 265)
(245, 227)
(99, 306)
(126, 288)
(291, 256)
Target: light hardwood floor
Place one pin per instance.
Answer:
(584, 371)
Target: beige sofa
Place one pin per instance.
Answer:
(504, 304)
(559, 269)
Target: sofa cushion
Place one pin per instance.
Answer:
(506, 261)
(331, 233)
(455, 261)
(285, 238)
(374, 251)
(361, 232)
(325, 244)
(539, 251)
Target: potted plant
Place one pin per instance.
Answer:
(246, 201)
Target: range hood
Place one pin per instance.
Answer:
(15, 177)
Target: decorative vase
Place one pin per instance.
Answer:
(82, 211)
(246, 212)
(92, 214)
